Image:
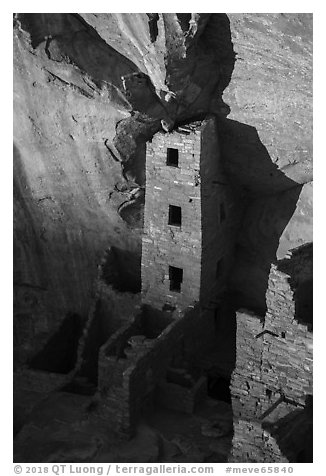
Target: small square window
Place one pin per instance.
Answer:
(172, 158)
(222, 212)
(176, 277)
(174, 215)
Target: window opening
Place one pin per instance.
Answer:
(174, 215)
(172, 158)
(176, 277)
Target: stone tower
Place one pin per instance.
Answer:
(186, 249)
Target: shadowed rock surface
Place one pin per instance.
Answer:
(89, 91)
(76, 118)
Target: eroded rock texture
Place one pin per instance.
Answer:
(91, 89)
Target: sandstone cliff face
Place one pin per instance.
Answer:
(90, 89)
(271, 87)
(270, 152)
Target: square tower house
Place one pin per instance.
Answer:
(185, 246)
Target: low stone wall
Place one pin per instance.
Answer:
(246, 381)
(151, 367)
(125, 384)
(269, 366)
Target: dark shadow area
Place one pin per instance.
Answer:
(270, 200)
(300, 269)
(216, 39)
(224, 355)
(226, 334)
(221, 213)
(247, 161)
(218, 363)
(132, 211)
(294, 433)
(304, 303)
(132, 337)
(60, 353)
(219, 388)
(152, 24)
(69, 36)
(184, 19)
(85, 382)
(153, 322)
(121, 270)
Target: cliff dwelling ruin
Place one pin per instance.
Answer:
(163, 276)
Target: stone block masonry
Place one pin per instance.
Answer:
(129, 379)
(165, 245)
(251, 444)
(187, 248)
(193, 181)
(273, 372)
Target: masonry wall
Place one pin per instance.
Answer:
(270, 380)
(179, 343)
(164, 245)
(288, 360)
(273, 372)
(203, 245)
(127, 384)
(220, 216)
(252, 444)
(113, 382)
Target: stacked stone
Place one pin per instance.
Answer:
(273, 364)
(282, 355)
(200, 188)
(165, 245)
(252, 444)
(126, 383)
(246, 381)
(279, 301)
(287, 359)
(115, 409)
